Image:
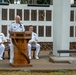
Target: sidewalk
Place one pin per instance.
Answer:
(42, 64)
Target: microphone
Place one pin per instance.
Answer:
(20, 24)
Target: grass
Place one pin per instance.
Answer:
(37, 73)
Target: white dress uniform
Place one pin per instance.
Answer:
(33, 39)
(2, 47)
(8, 38)
(15, 27)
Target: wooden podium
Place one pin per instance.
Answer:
(20, 41)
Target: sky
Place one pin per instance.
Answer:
(72, 1)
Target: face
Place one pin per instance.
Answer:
(31, 29)
(17, 19)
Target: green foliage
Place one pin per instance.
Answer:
(23, 1)
(0, 0)
(12, 1)
(74, 1)
(5, 0)
(43, 1)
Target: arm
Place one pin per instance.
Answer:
(10, 28)
(8, 38)
(3, 39)
(23, 27)
(36, 38)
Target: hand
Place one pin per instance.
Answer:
(30, 41)
(33, 42)
(8, 41)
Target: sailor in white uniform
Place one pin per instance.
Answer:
(2, 47)
(15, 27)
(33, 43)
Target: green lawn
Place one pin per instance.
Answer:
(37, 73)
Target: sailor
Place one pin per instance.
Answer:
(33, 43)
(15, 27)
(2, 47)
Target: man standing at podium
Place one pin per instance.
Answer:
(15, 27)
(33, 43)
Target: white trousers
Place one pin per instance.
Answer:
(11, 52)
(29, 50)
(2, 49)
(37, 49)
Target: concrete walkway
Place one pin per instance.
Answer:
(42, 64)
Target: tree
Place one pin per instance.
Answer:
(23, 1)
(0, 0)
(74, 1)
(11, 1)
(43, 1)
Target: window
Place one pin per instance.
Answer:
(19, 12)
(72, 15)
(48, 15)
(41, 31)
(11, 14)
(48, 31)
(41, 15)
(71, 31)
(33, 15)
(26, 15)
(4, 29)
(4, 14)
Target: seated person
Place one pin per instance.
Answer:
(33, 43)
(2, 47)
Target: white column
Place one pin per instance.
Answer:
(61, 23)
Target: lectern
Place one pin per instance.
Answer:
(20, 41)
